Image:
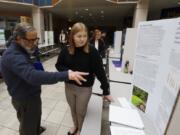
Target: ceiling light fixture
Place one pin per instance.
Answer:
(124, 1)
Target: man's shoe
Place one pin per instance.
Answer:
(42, 129)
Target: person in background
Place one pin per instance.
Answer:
(79, 55)
(24, 80)
(98, 42)
(62, 39)
(7, 33)
(126, 67)
(106, 42)
(104, 38)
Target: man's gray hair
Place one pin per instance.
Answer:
(21, 29)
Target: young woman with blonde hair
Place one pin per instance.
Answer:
(81, 56)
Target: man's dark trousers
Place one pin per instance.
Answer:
(29, 115)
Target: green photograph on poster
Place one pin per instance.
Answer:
(139, 98)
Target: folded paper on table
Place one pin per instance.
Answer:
(124, 116)
(125, 131)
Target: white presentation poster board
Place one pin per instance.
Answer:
(51, 38)
(117, 41)
(157, 68)
(46, 38)
(2, 37)
(129, 46)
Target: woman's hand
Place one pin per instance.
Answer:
(109, 98)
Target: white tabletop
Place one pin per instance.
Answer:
(114, 55)
(116, 74)
(92, 122)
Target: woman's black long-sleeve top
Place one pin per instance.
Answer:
(85, 62)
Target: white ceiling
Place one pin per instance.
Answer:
(93, 11)
(96, 12)
(14, 9)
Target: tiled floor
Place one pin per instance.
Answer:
(55, 111)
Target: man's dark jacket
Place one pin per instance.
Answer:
(21, 77)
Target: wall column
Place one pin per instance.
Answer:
(50, 22)
(38, 22)
(141, 12)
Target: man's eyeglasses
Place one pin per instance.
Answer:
(34, 41)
